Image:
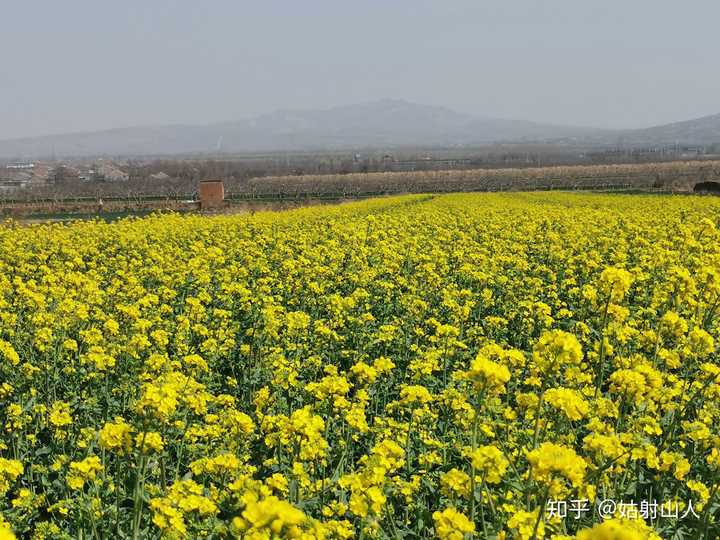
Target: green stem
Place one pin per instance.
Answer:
(137, 495)
(705, 520)
(601, 356)
(476, 420)
(540, 513)
(482, 508)
(538, 414)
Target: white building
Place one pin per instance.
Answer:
(20, 165)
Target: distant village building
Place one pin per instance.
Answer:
(110, 173)
(87, 174)
(15, 180)
(64, 173)
(160, 176)
(20, 165)
(102, 172)
(18, 175)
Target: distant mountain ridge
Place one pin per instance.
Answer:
(704, 130)
(378, 124)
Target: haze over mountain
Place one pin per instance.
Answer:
(379, 124)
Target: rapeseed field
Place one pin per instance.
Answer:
(511, 366)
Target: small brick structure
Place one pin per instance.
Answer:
(212, 194)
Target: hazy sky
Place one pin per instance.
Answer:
(77, 65)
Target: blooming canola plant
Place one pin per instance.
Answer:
(423, 366)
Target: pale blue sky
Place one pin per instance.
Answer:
(76, 65)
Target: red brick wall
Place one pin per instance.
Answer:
(212, 194)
